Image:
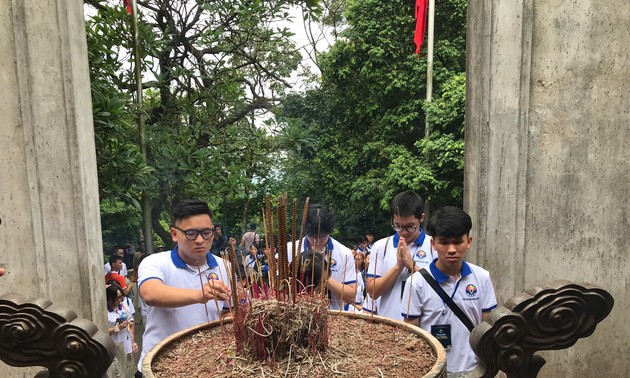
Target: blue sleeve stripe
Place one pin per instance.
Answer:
(149, 278)
(488, 309)
(372, 276)
(349, 282)
(367, 310)
(405, 316)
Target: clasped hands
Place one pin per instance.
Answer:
(404, 259)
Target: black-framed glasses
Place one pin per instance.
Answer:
(191, 234)
(409, 229)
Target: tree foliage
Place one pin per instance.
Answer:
(213, 70)
(209, 69)
(368, 115)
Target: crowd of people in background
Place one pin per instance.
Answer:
(412, 275)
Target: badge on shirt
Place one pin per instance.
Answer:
(442, 332)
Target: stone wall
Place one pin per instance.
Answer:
(547, 175)
(50, 236)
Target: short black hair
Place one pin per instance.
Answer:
(449, 222)
(114, 258)
(188, 208)
(252, 226)
(407, 203)
(319, 220)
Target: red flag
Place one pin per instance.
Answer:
(421, 23)
(127, 5)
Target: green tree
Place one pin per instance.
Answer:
(210, 69)
(368, 113)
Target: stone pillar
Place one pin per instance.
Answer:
(547, 174)
(50, 234)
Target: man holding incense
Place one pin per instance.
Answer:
(341, 283)
(451, 296)
(188, 285)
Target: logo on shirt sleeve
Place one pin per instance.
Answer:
(471, 290)
(213, 276)
(333, 264)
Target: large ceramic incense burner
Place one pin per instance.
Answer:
(395, 348)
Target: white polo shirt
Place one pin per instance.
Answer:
(360, 285)
(369, 305)
(123, 336)
(473, 293)
(123, 271)
(383, 259)
(169, 268)
(339, 254)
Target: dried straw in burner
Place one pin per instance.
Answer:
(290, 312)
(270, 327)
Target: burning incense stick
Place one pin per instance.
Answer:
(205, 306)
(409, 296)
(233, 282)
(343, 284)
(356, 284)
(293, 250)
(272, 267)
(374, 284)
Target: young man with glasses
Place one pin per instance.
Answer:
(341, 283)
(178, 285)
(395, 258)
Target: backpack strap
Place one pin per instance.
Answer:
(386, 245)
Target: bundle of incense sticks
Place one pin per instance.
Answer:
(280, 305)
(284, 278)
(283, 259)
(269, 231)
(294, 252)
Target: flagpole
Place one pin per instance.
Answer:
(146, 200)
(429, 94)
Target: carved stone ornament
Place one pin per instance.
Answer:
(549, 317)
(33, 332)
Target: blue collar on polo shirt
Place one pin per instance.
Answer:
(441, 277)
(329, 245)
(177, 260)
(111, 309)
(418, 241)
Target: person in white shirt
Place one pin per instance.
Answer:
(395, 258)
(369, 237)
(120, 269)
(178, 285)
(120, 328)
(341, 283)
(466, 285)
